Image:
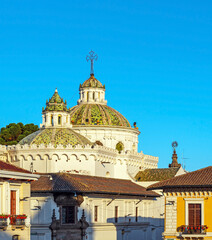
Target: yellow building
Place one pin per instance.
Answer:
(15, 193)
(188, 205)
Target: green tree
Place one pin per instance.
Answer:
(13, 133)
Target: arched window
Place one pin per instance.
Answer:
(52, 120)
(107, 174)
(120, 147)
(87, 96)
(59, 119)
(93, 95)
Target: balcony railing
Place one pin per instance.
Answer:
(193, 229)
(18, 221)
(3, 223)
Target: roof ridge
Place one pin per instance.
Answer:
(165, 183)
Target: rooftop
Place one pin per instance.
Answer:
(199, 178)
(66, 182)
(9, 167)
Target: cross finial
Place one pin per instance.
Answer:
(91, 57)
(174, 144)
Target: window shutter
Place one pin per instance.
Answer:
(13, 202)
(194, 214)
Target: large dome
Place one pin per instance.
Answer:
(97, 114)
(55, 136)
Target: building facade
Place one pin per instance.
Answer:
(15, 195)
(188, 205)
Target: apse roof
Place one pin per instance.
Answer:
(66, 182)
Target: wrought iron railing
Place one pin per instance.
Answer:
(193, 229)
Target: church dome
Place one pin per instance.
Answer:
(92, 82)
(55, 136)
(97, 114)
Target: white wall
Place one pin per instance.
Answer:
(105, 228)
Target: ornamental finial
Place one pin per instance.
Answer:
(91, 57)
(174, 144)
(174, 157)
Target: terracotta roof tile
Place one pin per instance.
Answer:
(10, 167)
(66, 182)
(157, 174)
(199, 178)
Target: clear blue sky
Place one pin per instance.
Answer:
(155, 58)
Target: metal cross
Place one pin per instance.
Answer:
(91, 57)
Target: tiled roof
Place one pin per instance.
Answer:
(92, 82)
(97, 114)
(157, 174)
(55, 136)
(66, 182)
(9, 167)
(199, 178)
(55, 103)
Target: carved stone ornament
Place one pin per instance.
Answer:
(68, 199)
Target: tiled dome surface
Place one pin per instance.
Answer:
(97, 114)
(55, 136)
(92, 82)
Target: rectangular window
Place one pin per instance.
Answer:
(13, 202)
(136, 214)
(194, 214)
(68, 214)
(116, 214)
(96, 213)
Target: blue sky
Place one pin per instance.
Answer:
(155, 58)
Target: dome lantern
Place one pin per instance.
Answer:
(92, 90)
(56, 113)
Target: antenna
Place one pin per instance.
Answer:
(184, 162)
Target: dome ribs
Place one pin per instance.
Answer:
(73, 113)
(114, 119)
(88, 115)
(104, 114)
(122, 119)
(85, 114)
(96, 115)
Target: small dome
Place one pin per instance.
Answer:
(92, 82)
(55, 136)
(97, 114)
(55, 103)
